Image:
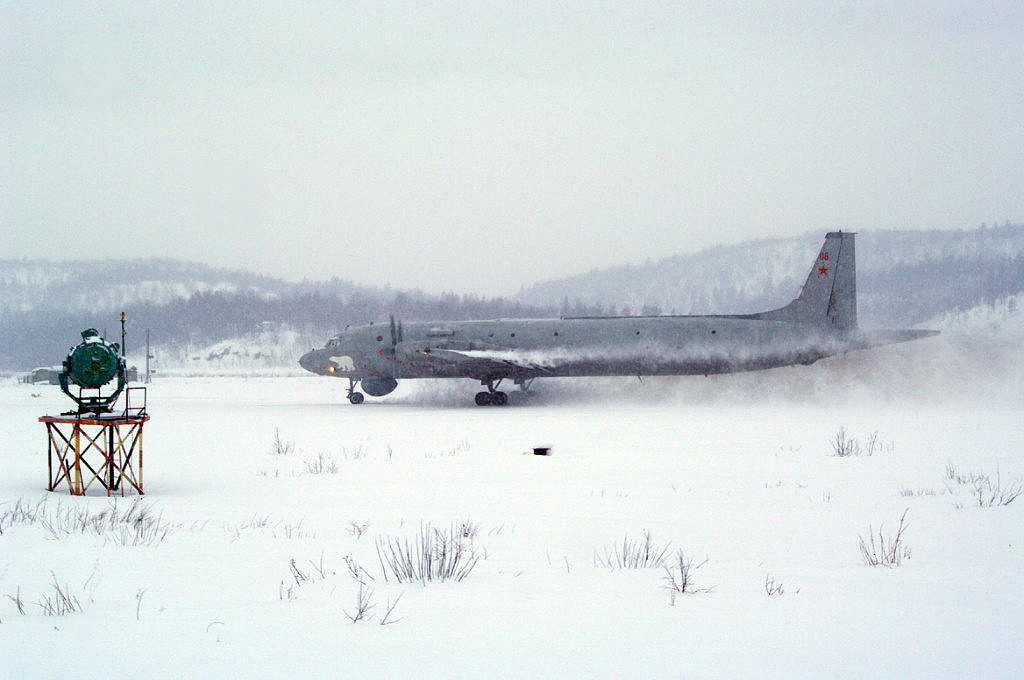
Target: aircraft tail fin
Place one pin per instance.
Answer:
(829, 296)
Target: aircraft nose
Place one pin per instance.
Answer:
(315, 361)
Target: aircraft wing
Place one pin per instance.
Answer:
(876, 338)
(467, 359)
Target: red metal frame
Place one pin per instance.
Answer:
(92, 440)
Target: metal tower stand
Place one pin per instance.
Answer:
(105, 449)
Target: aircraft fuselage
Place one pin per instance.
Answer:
(574, 347)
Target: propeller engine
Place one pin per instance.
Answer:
(378, 387)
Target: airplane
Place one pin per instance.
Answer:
(820, 322)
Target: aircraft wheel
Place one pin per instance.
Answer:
(499, 398)
(356, 397)
(483, 398)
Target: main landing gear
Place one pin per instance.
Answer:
(495, 398)
(492, 397)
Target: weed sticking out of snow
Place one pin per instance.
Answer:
(60, 602)
(389, 610)
(357, 529)
(301, 575)
(356, 570)
(987, 492)
(498, 530)
(955, 475)
(468, 529)
(18, 602)
(257, 522)
(774, 588)
(135, 525)
(908, 492)
(873, 445)
(323, 464)
(433, 555)
(885, 550)
(264, 525)
(293, 532)
(21, 513)
(364, 604)
(639, 553)
(138, 603)
(458, 449)
(991, 493)
(357, 452)
(845, 445)
(679, 575)
(286, 593)
(279, 447)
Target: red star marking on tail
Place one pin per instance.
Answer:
(822, 272)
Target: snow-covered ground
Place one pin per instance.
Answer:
(252, 578)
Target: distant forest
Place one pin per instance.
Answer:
(41, 334)
(904, 278)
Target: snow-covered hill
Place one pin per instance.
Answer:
(112, 284)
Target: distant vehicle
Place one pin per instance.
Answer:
(820, 322)
(43, 374)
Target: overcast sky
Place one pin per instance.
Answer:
(478, 147)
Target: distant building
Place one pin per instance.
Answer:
(43, 374)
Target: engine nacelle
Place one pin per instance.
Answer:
(378, 387)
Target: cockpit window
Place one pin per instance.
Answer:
(333, 342)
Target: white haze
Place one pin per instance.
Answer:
(480, 148)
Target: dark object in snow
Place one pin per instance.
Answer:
(542, 450)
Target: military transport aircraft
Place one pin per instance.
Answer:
(820, 322)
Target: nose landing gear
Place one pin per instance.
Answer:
(373, 385)
(353, 396)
